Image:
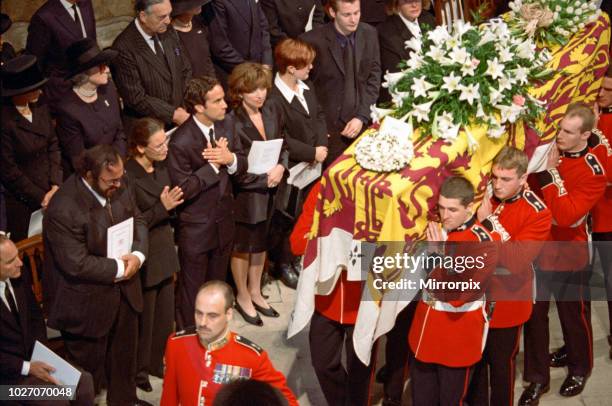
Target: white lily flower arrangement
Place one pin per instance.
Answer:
(550, 22)
(469, 75)
(388, 148)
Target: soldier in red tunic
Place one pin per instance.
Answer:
(450, 325)
(203, 358)
(602, 212)
(572, 184)
(523, 221)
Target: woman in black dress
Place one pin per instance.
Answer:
(306, 136)
(90, 114)
(30, 162)
(156, 200)
(193, 33)
(254, 194)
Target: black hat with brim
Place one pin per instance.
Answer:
(21, 75)
(85, 54)
(5, 23)
(182, 6)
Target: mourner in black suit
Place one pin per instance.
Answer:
(239, 33)
(193, 32)
(53, 28)
(94, 300)
(290, 18)
(306, 138)
(21, 325)
(152, 68)
(157, 201)
(406, 22)
(30, 162)
(8, 52)
(90, 114)
(346, 73)
(254, 193)
(203, 153)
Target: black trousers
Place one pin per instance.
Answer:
(435, 384)
(605, 256)
(341, 387)
(84, 395)
(111, 359)
(497, 366)
(575, 317)
(396, 355)
(155, 325)
(196, 269)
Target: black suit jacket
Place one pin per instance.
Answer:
(17, 340)
(51, 31)
(392, 35)
(149, 87)
(253, 199)
(30, 163)
(239, 34)
(288, 18)
(328, 77)
(163, 260)
(303, 130)
(83, 295)
(206, 215)
(83, 125)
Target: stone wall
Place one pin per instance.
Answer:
(111, 17)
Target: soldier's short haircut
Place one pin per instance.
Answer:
(225, 289)
(583, 111)
(512, 158)
(457, 187)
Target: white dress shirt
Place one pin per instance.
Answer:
(233, 167)
(289, 93)
(120, 263)
(68, 6)
(413, 26)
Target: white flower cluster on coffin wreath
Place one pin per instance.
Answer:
(387, 149)
(550, 22)
(468, 76)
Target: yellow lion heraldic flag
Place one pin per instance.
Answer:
(359, 205)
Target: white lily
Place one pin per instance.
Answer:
(451, 82)
(526, 49)
(504, 83)
(509, 114)
(398, 98)
(421, 111)
(438, 35)
(414, 43)
(459, 55)
(391, 78)
(468, 69)
(437, 54)
(487, 36)
(495, 131)
(469, 93)
(460, 28)
(495, 69)
(420, 87)
(495, 96)
(415, 61)
(520, 74)
(376, 113)
(445, 128)
(480, 111)
(505, 55)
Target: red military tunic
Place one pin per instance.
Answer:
(600, 142)
(452, 333)
(570, 191)
(523, 218)
(194, 373)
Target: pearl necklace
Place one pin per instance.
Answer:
(87, 94)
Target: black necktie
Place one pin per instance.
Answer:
(11, 301)
(109, 210)
(158, 49)
(211, 138)
(348, 103)
(77, 19)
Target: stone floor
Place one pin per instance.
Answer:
(292, 357)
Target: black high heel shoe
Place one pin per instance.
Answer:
(270, 312)
(254, 320)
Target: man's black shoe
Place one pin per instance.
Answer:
(286, 275)
(558, 359)
(381, 375)
(531, 395)
(297, 265)
(145, 386)
(573, 385)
